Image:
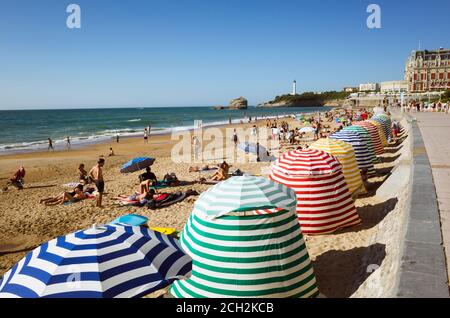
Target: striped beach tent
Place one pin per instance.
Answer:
(101, 262)
(346, 155)
(373, 131)
(243, 254)
(324, 203)
(386, 122)
(362, 153)
(240, 194)
(365, 136)
(381, 132)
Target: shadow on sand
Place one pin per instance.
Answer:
(389, 159)
(386, 171)
(393, 149)
(340, 273)
(371, 215)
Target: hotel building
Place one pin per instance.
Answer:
(428, 70)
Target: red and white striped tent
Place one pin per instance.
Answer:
(374, 135)
(324, 203)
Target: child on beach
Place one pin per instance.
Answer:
(96, 174)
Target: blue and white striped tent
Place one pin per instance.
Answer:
(364, 157)
(101, 262)
(365, 136)
(385, 122)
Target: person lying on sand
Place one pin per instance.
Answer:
(204, 168)
(141, 197)
(137, 196)
(75, 196)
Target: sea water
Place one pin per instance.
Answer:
(28, 130)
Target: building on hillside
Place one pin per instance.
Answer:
(350, 89)
(368, 87)
(428, 70)
(394, 87)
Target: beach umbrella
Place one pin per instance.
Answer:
(245, 254)
(373, 132)
(324, 203)
(240, 194)
(307, 130)
(365, 136)
(137, 164)
(101, 262)
(346, 155)
(381, 132)
(362, 153)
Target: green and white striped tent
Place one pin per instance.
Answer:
(237, 252)
(243, 194)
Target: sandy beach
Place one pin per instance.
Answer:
(340, 260)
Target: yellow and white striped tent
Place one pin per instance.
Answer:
(345, 153)
(380, 129)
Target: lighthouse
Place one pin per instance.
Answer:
(294, 88)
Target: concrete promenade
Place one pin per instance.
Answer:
(435, 129)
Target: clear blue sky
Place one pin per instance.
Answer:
(203, 52)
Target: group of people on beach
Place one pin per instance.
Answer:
(84, 188)
(420, 106)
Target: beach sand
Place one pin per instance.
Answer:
(340, 260)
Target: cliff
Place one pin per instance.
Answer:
(308, 99)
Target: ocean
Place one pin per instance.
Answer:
(28, 130)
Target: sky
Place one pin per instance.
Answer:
(154, 53)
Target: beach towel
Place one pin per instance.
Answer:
(171, 199)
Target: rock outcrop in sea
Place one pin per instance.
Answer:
(239, 103)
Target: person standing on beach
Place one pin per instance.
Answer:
(149, 129)
(68, 142)
(145, 136)
(196, 146)
(117, 138)
(50, 145)
(235, 138)
(96, 175)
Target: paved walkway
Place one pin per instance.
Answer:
(435, 129)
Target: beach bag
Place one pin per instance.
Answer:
(171, 179)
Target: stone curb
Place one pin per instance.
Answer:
(423, 271)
